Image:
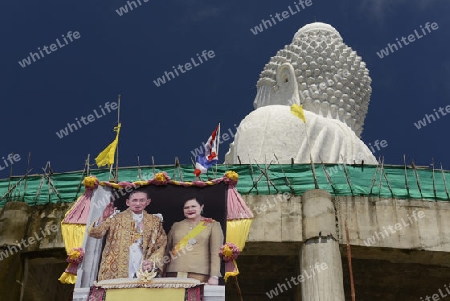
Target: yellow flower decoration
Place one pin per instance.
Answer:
(160, 177)
(90, 182)
(232, 175)
(146, 276)
(227, 251)
(76, 255)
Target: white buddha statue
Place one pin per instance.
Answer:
(318, 71)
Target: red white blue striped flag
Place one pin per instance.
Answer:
(210, 155)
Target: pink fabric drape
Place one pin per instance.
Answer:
(80, 211)
(229, 266)
(237, 209)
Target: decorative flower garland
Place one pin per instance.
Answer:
(231, 175)
(161, 178)
(90, 182)
(75, 256)
(229, 251)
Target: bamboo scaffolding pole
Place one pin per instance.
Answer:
(434, 183)
(50, 184)
(26, 177)
(406, 176)
(153, 166)
(139, 169)
(387, 182)
(15, 185)
(217, 146)
(82, 177)
(180, 172)
(417, 178)
(285, 177)
(349, 258)
(328, 176)
(251, 175)
(445, 183)
(10, 174)
(88, 165)
(313, 169)
(174, 168)
(38, 192)
(266, 175)
(374, 178)
(381, 175)
(346, 176)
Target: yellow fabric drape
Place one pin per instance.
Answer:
(67, 278)
(73, 235)
(106, 157)
(237, 231)
(234, 273)
(298, 111)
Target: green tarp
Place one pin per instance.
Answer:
(296, 179)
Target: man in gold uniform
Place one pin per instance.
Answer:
(135, 239)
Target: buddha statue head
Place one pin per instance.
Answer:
(320, 72)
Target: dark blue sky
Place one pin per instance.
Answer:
(125, 54)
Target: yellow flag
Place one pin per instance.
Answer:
(298, 111)
(106, 157)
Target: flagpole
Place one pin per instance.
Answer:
(117, 147)
(217, 143)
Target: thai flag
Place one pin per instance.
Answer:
(210, 155)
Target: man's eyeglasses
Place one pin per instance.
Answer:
(138, 200)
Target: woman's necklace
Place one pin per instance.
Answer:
(192, 241)
(192, 225)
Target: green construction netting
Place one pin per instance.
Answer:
(386, 182)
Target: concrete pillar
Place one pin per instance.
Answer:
(320, 261)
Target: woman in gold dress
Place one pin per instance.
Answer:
(193, 245)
